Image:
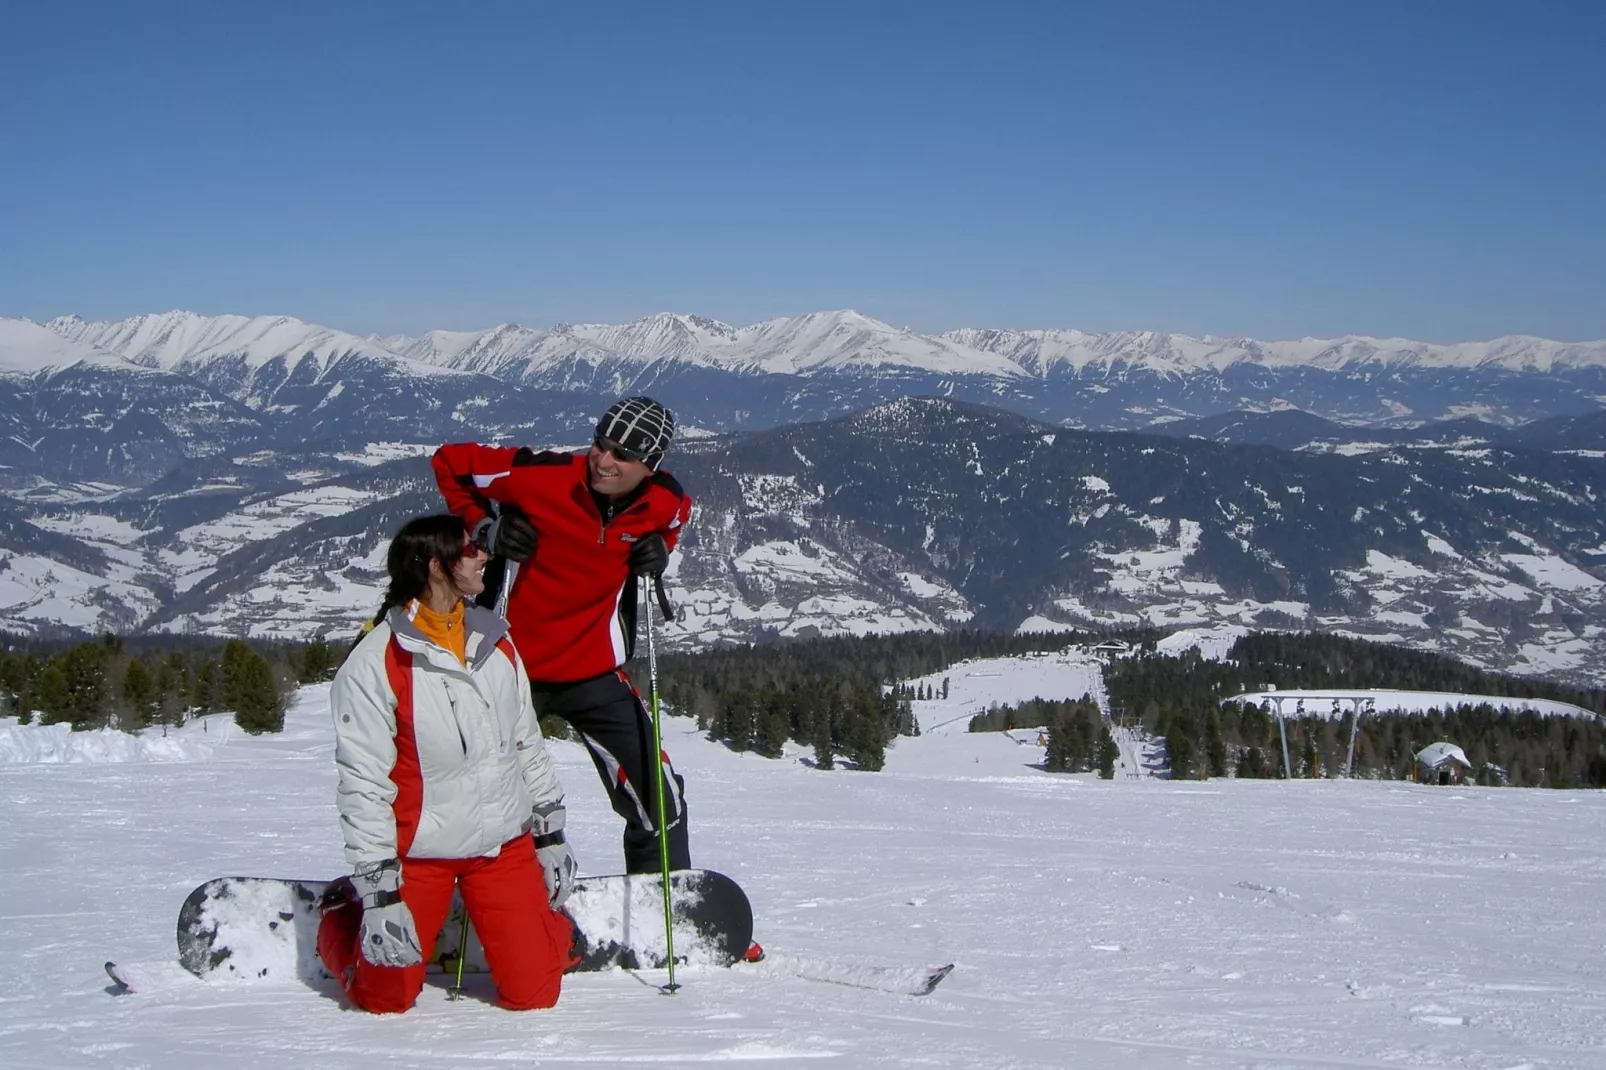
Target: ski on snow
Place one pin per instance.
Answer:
(898, 980)
(120, 984)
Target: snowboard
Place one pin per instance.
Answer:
(265, 927)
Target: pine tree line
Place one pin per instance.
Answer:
(1079, 738)
(111, 683)
(841, 697)
(853, 719)
(1179, 699)
(1504, 748)
(1287, 660)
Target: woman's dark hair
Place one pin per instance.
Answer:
(440, 537)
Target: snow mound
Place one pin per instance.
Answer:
(58, 744)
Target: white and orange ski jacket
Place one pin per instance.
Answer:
(436, 759)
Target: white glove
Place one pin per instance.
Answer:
(552, 851)
(389, 937)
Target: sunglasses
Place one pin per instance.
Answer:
(473, 548)
(608, 445)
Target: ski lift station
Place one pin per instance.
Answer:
(1340, 702)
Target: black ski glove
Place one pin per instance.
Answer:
(509, 535)
(649, 556)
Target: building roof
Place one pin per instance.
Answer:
(1436, 754)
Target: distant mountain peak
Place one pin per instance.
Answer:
(843, 340)
(27, 348)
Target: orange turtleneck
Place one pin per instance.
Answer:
(445, 630)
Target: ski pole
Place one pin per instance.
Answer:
(509, 574)
(462, 954)
(661, 778)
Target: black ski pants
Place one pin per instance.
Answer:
(617, 729)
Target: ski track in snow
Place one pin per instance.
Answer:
(1126, 923)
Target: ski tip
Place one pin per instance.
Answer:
(933, 979)
(119, 983)
(754, 952)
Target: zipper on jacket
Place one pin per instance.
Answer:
(608, 514)
(456, 720)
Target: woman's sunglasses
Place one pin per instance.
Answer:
(608, 445)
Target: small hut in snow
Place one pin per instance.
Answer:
(1441, 763)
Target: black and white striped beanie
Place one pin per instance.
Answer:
(639, 424)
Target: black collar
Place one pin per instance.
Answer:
(611, 509)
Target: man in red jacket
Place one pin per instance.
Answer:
(583, 526)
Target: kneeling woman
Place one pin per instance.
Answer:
(444, 780)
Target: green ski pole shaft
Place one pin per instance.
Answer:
(661, 776)
(462, 955)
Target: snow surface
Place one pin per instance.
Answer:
(1212, 643)
(1131, 923)
(26, 348)
(381, 452)
(58, 743)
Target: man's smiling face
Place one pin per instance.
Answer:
(613, 476)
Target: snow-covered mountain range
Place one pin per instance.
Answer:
(918, 514)
(227, 473)
(824, 364)
(1047, 352)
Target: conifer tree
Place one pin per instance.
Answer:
(317, 662)
(236, 655)
(141, 694)
(205, 696)
(1109, 751)
(172, 680)
(772, 726)
(1215, 745)
(72, 687)
(866, 746)
(256, 702)
(10, 691)
(1179, 744)
(823, 750)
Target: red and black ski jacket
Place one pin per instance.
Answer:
(572, 609)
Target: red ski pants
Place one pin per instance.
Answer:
(527, 944)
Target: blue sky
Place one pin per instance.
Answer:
(1425, 168)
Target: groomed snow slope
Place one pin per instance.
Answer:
(1126, 923)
